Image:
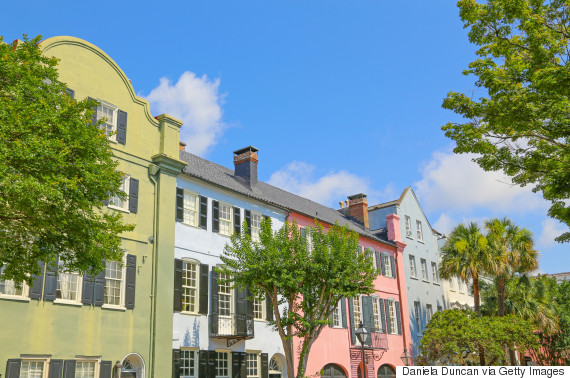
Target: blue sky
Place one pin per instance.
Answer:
(339, 98)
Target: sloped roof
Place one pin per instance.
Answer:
(223, 177)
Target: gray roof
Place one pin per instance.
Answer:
(223, 177)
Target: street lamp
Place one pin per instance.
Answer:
(362, 335)
(406, 357)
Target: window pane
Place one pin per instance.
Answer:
(252, 365)
(222, 364)
(189, 286)
(32, 369)
(8, 287)
(187, 363)
(85, 369)
(113, 283)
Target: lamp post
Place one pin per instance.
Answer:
(362, 335)
(406, 357)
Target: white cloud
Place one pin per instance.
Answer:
(550, 229)
(451, 181)
(298, 177)
(197, 102)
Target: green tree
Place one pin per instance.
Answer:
(521, 126)
(304, 277)
(453, 336)
(56, 169)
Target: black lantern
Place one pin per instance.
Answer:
(406, 357)
(362, 334)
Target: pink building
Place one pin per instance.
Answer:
(337, 352)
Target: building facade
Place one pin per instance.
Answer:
(119, 321)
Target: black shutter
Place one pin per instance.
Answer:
(237, 361)
(248, 303)
(241, 310)
(133, 195)
(175, 363)
(352, 327)
(378, 262)
(13, 368)
(382, 315)
(94, 116)
(215, 216)
(50, 287)
(237, 220)
(368, 316)
(214, 291)
(264, 366)
(204, 272)
(106, 368)
(99, 288)
(203, 212)
(203, 364)
(248, 221)
(178, 265)
(393, 264)
(121, 127)
(382, 267)
(399, 324)
(268, 308)
(36, 289)
(388, 325)
(343, 312)
(243, 367)
(70, 92)
(69, 369)
(131, 278)
(55, 368)
(87, 293)
(211, 364)
(179, 204)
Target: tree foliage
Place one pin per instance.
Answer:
(522, 125)
(453, 337)
(305, 277)
(56, 169)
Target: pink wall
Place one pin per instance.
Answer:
(334, 344)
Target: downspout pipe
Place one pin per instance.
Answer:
(152, 171)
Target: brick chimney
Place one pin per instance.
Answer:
(182, 146)
(358, 209)
(245, 161)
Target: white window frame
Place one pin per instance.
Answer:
(183, 368)
(308, 230)
(413, 270)
(419, 230)
(408, 227)
(122, 284)
(229, 294)
(256, 219)
(452, 284)
(337, 315)
(423, 263)
(429, 312)
(62, 274)
(95, 362)
(417, 310)
(460, 286)
(357, 301)
(115, 202)
(110, 128)
(187, 199)
(439, 308)
(228, 368)
(387, 264)
(10, 283)
(229, 223)
(261, 304)
(434, 273)
(196, 287)
(45, 368)
(393, 320)
(376, 311)
(255, 356)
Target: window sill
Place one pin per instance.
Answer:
(426, 281)
(67, 303)
(17, 298)
(414, 278)
(421, 241)
(118, 208)
(409, 237)
(190, 313)
(114, 308)
(190, 225)
(436, 283)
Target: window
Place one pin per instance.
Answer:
(452, 283)
(32, 369)
(224, 296)
(226, 224)
(434, 274)
(188, 365)
(114, 288)
(8, 288)
(439, 308)
(117, 202)
(258, 309)
(429, 312)
(337, 315)
(413, 272)
(417, 315)
(109, 114)
(419, 228)
(461, 285)
(377, 314)
(387, 265)
(68, 285)
(255, 226)
(222, 364)
(307, 231)
(424, 269)
(189, 286)
(357, 310)
(85, 369)
(369, 253)
(252, 364)
(408, 227)
(190, 209)
(393, 321)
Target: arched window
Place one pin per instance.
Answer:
(333, 371)
(386, 371)
(275, 369)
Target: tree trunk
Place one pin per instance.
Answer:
(304, 356)
(501, 296)
(477, 301)
(512, 356)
